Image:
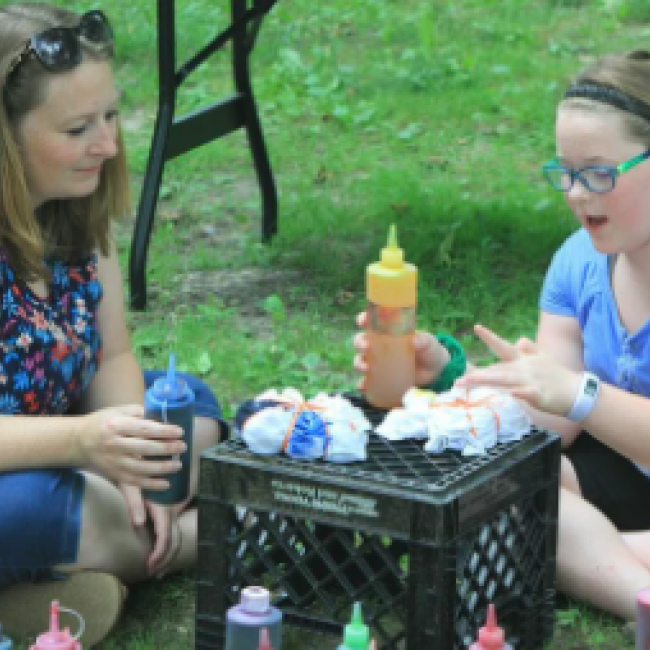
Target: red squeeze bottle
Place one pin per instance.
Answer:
(491, 636)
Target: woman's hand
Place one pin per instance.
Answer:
(430, 356)
(166, 538)
(526, 372)
(120, 444)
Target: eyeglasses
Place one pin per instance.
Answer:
(597, 178)
(59, 48)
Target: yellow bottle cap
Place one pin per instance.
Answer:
(391, 281)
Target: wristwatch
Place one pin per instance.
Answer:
(586, 397)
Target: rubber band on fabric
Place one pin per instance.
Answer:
(467, 405)
(305, 428)
(455, 366)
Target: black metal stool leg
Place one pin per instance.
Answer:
(156, 162)
(173, 137)
(241, 49)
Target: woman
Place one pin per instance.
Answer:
(73, 522)
(587, 375)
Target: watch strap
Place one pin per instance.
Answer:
(586, 398)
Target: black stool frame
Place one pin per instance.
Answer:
(175, 136)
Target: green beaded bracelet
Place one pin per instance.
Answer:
(455, 366)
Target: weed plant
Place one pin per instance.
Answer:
(432, 115)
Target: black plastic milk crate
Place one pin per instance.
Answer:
(425, 542)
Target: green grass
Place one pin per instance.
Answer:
(432, 115)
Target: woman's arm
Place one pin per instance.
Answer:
(28, 442)
(118, 381)
(119, 377)
(113, 441)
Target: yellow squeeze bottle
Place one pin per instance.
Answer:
(391, 291)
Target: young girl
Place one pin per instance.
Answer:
(587, 375)
(75, 449)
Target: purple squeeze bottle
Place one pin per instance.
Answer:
(643, 619)
(245, 621)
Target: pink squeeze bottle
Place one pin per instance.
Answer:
(491, 636)
(56, 639)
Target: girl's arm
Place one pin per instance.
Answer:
(545, 375)
(560, 337)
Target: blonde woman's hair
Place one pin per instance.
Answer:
(66, 229)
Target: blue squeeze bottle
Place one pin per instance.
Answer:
(5, 641)
(170, 399)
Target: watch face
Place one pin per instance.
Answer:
(591, 387)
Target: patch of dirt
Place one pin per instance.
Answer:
(230, 229)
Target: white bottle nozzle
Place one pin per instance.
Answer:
(54, 637)
(80, 618)
(255, 599)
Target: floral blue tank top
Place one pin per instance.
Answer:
(49, 347)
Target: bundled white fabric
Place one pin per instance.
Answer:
(467, 421)
(328, 427)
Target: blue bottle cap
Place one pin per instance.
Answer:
(171, 389)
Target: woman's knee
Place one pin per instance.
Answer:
(207, 433)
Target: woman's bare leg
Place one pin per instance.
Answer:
(110, 543)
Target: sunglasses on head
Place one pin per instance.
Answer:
(59, 48)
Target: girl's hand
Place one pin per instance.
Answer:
(526, 372)
(430, 356)
(120, 444)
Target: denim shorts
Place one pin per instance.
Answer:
(40, 509)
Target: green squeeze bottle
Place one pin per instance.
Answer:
(356, 635)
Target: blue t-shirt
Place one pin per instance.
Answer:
(578, 284)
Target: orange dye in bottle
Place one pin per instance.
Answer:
(391, 289)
